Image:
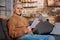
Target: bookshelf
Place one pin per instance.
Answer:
(29, 3)
(30, 6)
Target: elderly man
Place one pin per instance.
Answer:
(19, 27)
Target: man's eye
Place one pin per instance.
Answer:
(17, 8)
(21, 8)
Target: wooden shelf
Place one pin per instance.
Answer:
(31, 7)
(30, 2)
(2, 6)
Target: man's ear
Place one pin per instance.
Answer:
(13, 9)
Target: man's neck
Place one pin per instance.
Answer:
(16, 14)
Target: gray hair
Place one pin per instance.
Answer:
(17, 3)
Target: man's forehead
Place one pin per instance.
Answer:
(18, 5)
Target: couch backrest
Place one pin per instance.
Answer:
(2, 36)
(3, 24)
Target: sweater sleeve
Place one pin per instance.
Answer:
(11, 27)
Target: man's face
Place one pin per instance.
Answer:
(18, 9)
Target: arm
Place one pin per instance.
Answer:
(11, 26)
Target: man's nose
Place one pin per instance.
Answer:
(19, 9)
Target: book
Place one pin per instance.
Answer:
(35, 22)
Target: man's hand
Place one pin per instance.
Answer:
(29, 30)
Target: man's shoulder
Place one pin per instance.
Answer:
(12, 18)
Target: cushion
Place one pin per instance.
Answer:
(56, 29)
(44, 27)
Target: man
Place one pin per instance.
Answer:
(19, 27)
